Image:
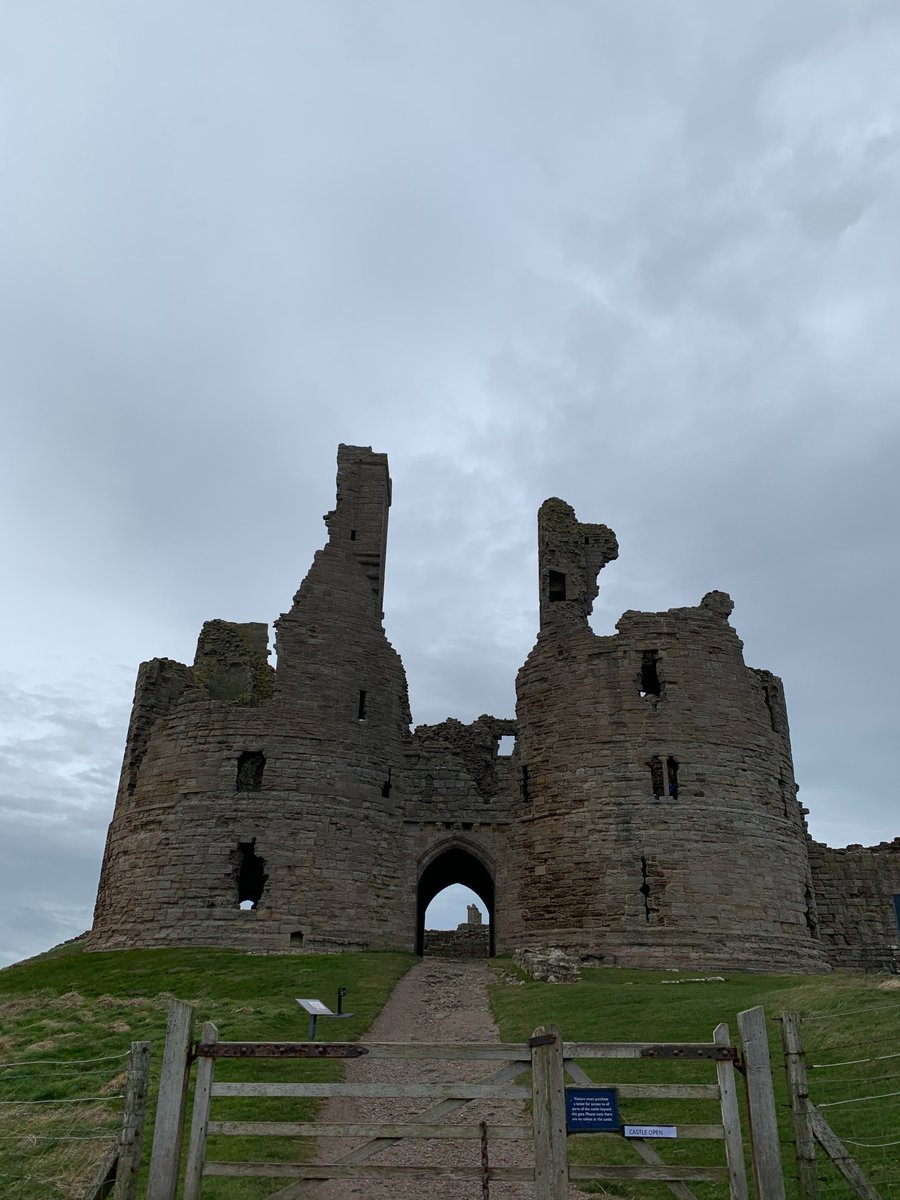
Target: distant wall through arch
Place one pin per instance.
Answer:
(455, 864)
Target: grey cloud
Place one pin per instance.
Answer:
(640, 256)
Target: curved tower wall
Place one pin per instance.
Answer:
(661, 825)
(240, 780)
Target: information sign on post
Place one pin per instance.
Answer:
(316, 1008)
(591, 1109)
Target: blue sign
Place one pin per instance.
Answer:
(591, 1109)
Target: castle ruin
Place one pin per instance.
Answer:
(647, 816)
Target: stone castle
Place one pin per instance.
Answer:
(647, 816)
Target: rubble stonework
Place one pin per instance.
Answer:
(549, 964)
(646, 817)
(855, 888)
(466, 941)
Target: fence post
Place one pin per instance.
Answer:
(133, 1122)
(551, 1164)
(206, 1069)
(165, 1157)
(731, 1119)
(761, 1105)
(798, 1094)
(837, 1152)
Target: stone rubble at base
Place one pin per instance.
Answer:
(549, 964)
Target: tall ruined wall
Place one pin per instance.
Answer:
(659, 822)
(858, 897)
(244, 783)
(459, 813)
(299, 791)
(647, 816)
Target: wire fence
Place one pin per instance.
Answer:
(59, 1118)
(853, 1071)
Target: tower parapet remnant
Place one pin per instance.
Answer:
(647, 816)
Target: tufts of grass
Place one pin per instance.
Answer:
(65, 1007)
(612, 1005)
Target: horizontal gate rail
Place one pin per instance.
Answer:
(459, 1091)
(490, 1051)
(411, 1129)
(661, 1091)
(414, 1091)
(674, 1051)
(514, 1051)
(280, 1050)
(272, 1170)
(664, 1173)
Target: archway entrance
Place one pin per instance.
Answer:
(454, 865)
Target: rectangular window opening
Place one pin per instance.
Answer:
(297, 938)
(506, 743)
(557, 585)
(361, 707)
(649, 674)
(352, 535)
(525, 795)
(644, 889)
(657, 779)
(250, 767)
(672, 774)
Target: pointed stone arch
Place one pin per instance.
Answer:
(454, 861)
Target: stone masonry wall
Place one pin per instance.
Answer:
(857, 890)
(469, 941)
(660, 825)
(647, 816)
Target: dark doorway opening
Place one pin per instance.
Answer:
(250, 874)
(455, 865)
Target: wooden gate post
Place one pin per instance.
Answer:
(798, 1093)
(165, 1157)
(129, 1161)
(206, 1069)
(551, 1162)
(761, 1105)
(731, 1119)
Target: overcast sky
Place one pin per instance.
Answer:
(642, 255)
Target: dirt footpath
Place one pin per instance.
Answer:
(439, 1000)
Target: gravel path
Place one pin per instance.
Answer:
(439, 1000)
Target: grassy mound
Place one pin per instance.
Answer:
(67, 1020)
(851, 1031)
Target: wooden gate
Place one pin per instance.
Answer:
(546, 1058)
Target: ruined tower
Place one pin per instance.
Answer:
(244, 786)
(646, 817)
(661, 816)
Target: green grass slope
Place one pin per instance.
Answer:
(67, 1020)
(851, 1033)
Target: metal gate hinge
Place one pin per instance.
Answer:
(544, 1039)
